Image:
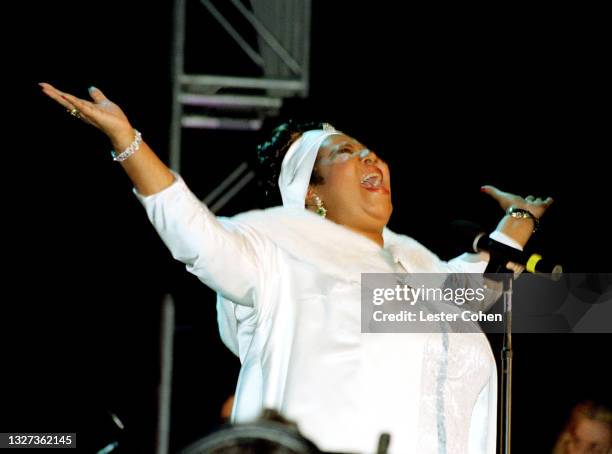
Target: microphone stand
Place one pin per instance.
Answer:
(498, 266)
(506, 374)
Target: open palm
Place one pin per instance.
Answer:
(101, 112)
(535, 205)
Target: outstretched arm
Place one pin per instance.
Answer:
(147, 172)
(225, 256)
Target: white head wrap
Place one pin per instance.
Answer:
(298, 164)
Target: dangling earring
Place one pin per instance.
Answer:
(321, 210)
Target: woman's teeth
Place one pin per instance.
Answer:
(371, 180)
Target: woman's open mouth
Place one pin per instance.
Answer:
(372, 182)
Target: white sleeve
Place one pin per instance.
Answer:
(225, 256)
(477, 263)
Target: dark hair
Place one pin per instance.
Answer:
(271, 152)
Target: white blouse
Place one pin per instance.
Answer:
(288, 285)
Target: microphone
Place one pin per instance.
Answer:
(471, 237)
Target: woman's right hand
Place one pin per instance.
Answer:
(101, 113)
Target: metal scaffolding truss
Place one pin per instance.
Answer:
(280, 49)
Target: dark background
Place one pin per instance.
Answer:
(452, 97)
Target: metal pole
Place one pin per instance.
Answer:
(165, 385)
(177, 76)
(269, 38)
(246, 47)
(506, 375)
(306, 33)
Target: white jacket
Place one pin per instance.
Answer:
(288, 304)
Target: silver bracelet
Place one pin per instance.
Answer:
(130, 150)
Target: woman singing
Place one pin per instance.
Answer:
(288, 285)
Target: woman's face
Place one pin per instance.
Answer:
(356, 184)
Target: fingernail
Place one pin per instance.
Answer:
(92, 88)
(483, 189)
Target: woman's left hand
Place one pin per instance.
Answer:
(536, 206)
